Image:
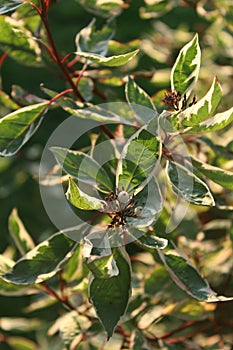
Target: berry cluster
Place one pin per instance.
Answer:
(121, 205)
(173, 98)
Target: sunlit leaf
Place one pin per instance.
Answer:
(186, 184)
(139, 158)
(186, 276)
(102, 265)
(112, 61)
(19, 234)
(185, 71)
(19, 43)
(91, 40)
(82, 167)
(42, 262)
(204, 107)
(218, 175)
(217, 122)
(82, 200)
(110, 296)
(139, 101)
(17, 127)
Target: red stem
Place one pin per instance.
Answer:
(43, 13)
(55, 98)
(81, 74)
(107, 131)
(63, 300)
(183, 326)
(2, 58)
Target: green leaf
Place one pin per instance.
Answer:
(96, 243)
(158, 278)
(91, 40)
(82, 167)
(139, 158)
(106, 9)
(5, 263)
(21, 237)
(74, 267)
(231, 232)
(203, 108)
(223, 151)
(151, 202)
(218, 175)
(24, 98)
(10, 5)
(64, 102)
(169, 122)
(7, 288)
(107, 113)
(42, 262)
(7, 104)
(86, 87)
(185, 71)
(188, 185)
(110, 296)
(21, 343)
(17, 127)
(112, 61)
(217, 122)
(153, 242)
(105, 152)
(82, 200)
(137, 99)
(19, 43)
(102, 266)
(189, 310)
(186, 276)
(97, 255)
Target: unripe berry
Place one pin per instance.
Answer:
(138, 211)
(123, 197)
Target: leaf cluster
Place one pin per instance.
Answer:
(127, 276)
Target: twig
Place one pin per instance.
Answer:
(63, 300)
